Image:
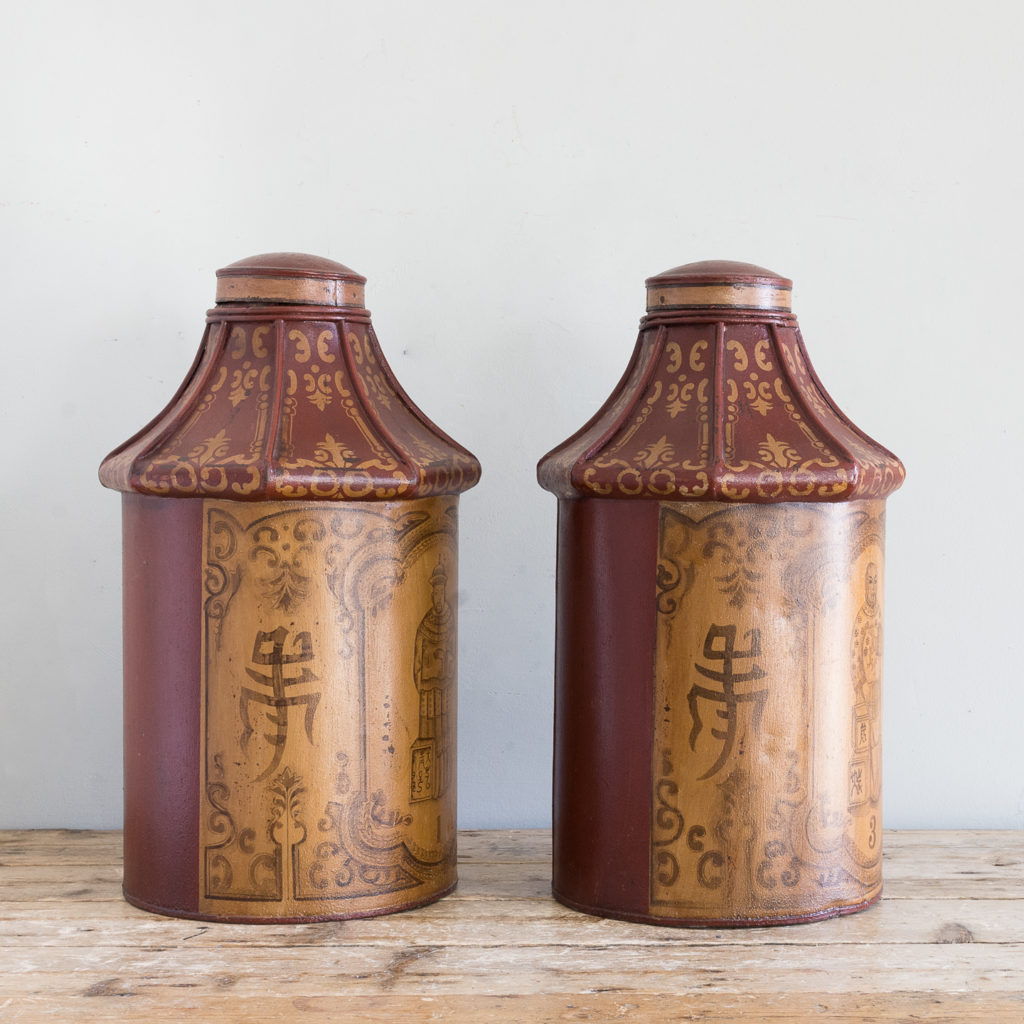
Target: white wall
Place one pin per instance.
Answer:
(506, 176)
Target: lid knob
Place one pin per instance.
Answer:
(719, 284)
(290, 278)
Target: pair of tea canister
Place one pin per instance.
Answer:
(290, 576)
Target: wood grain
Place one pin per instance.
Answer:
(945, 944)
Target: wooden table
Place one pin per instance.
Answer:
(945, 944)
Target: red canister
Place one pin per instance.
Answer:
(290, 575)
(719, 624)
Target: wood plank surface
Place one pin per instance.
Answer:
(945, 944)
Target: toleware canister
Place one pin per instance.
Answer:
(719, 624)
(290, 574)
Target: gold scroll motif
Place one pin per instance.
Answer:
(343, 430)
(766, 801)
(328, 707)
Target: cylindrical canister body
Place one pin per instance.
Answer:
(290, 578)
(719, 629)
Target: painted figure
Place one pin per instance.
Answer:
(865, 767)
(433, 674)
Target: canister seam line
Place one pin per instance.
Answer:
(179, 415)
(654, 358)
(368, 408)
(717, 468)
(810, 414)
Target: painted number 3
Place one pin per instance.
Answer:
(873, 833)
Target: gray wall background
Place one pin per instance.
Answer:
(507, 176)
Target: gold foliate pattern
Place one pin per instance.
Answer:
(292, 409)
(768, 653)
(328, 705)
(726, 411)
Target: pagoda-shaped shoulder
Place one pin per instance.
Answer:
(720, 409)
(291, 402)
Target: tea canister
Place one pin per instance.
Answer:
(719, 624)
(290, 575)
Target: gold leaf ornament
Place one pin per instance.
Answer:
(778, 453)
(332, 452)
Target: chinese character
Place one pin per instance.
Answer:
(856, 783)
(277, 681)
(727, 695)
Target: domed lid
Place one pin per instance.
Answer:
(720, 403)
(290, 397)
(290, 277)
(719, 284)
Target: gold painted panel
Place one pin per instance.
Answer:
(766, 800)
(328, 707)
